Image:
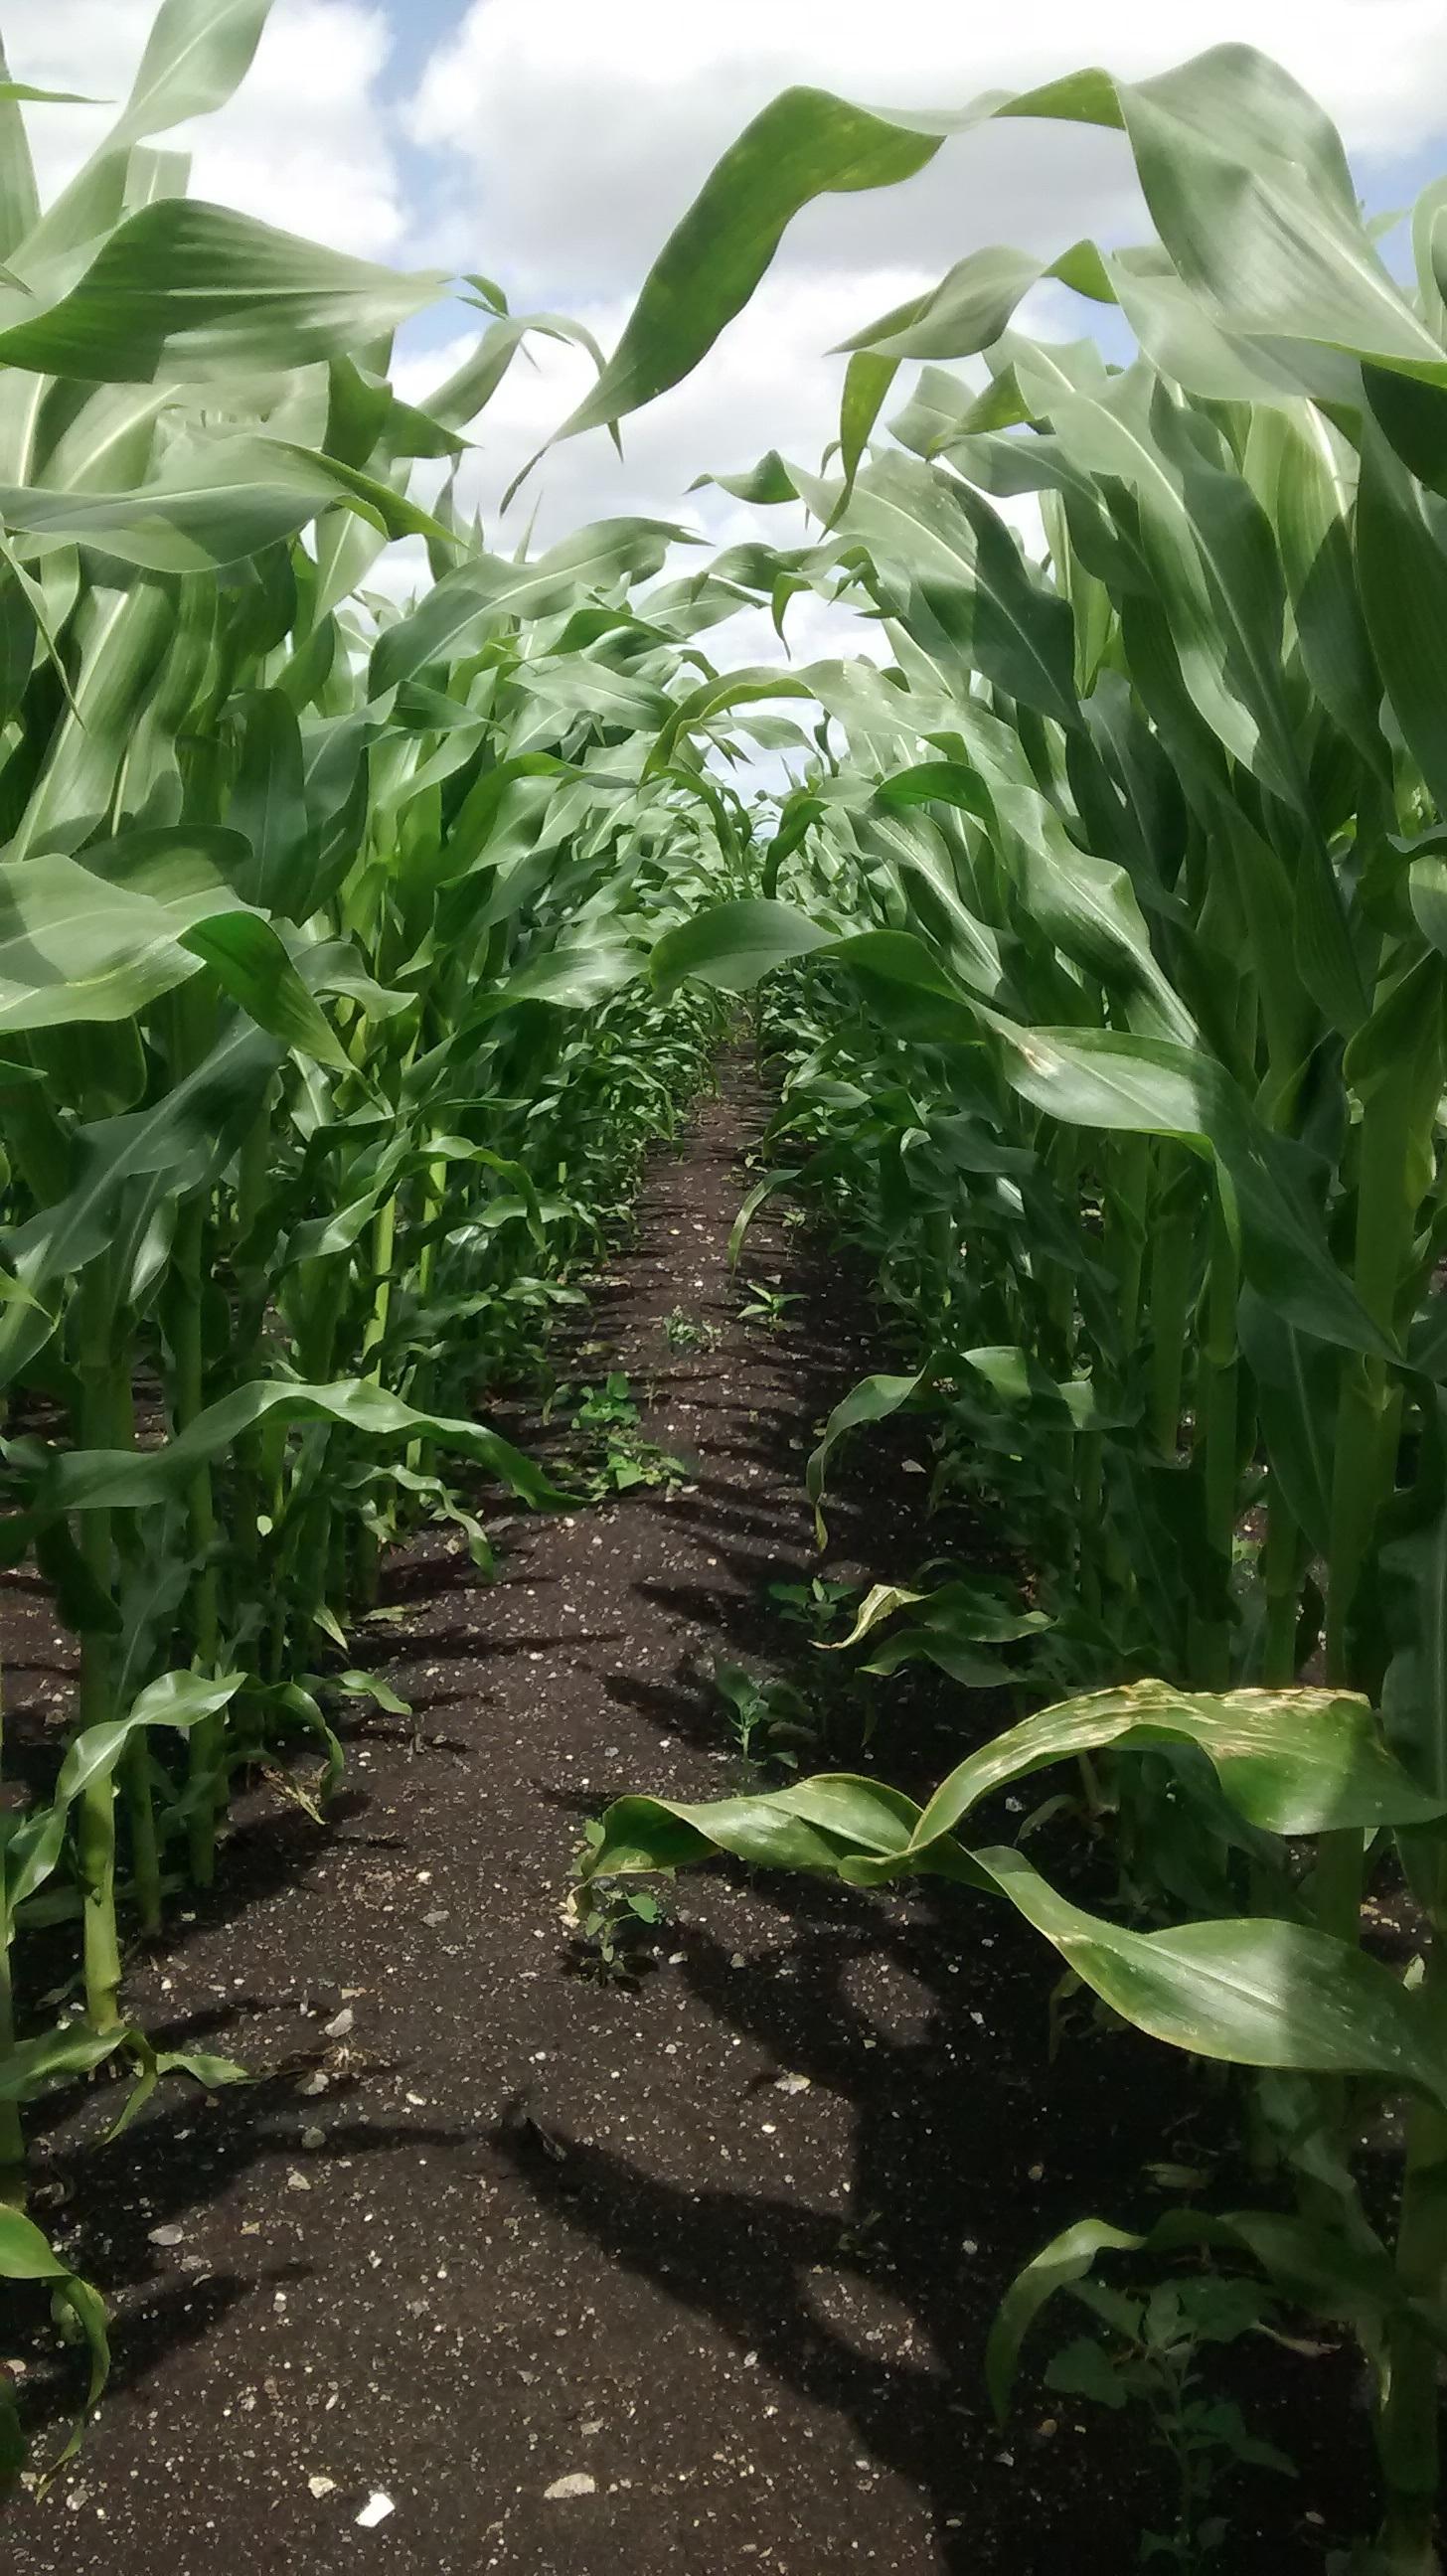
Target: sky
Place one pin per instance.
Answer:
(552, 144)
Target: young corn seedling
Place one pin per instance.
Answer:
(768, 1307)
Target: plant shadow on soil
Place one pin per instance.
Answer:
(728, 2240)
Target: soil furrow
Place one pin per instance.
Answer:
(718, 2251)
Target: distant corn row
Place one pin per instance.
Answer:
(328, 1056)
(1115, 1030)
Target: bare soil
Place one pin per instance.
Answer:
(724, 2245)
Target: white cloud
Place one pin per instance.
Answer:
(304, 144)
(580, 133)
(635, 102)
(816, 630)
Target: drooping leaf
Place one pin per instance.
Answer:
(187, 289)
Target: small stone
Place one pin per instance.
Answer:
(322, 2486)
(576, 2483)
(338, 2028)
(297, 2181)
(313, 2138)
(375, 2510)
(316, 2084)
(792, 2083)
(168, 2235)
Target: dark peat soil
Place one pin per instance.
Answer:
(721, 2250)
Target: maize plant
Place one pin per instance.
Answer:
(1113, 1027)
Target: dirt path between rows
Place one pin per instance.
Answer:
(537, 2229)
